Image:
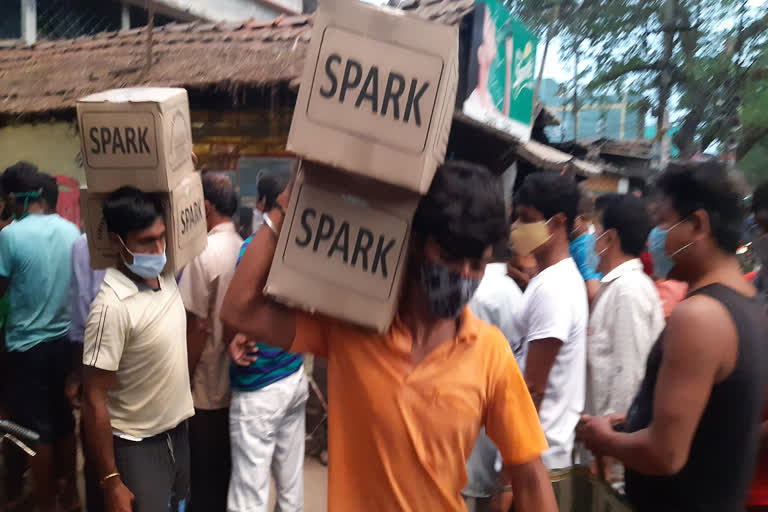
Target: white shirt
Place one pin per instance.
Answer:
(496, 301)
(627, 318)
(203, 286)
(555, 306)
(140, 334)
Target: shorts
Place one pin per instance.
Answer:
(35, 387)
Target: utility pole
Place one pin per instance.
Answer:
(665, 81)
(575, 109)
(549, 36)
(29, 21)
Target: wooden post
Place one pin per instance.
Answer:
(150, 6)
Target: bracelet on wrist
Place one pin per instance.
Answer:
(107, 478)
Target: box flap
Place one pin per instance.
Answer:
(134, 95)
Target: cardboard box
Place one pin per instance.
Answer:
(343, 247)
(140, 137)
(377, 93)
(186, 231)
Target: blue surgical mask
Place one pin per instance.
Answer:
(662, 264)
(657, 241)
(148, 266)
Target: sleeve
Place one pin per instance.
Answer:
(106, 332)
(511, 420)
(631, 339)
(79, 291)
(311, 334)
(6, 254)
(549, 313)
(195, 288)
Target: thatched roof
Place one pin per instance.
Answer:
(50, 76)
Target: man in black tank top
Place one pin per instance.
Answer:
(691, 434)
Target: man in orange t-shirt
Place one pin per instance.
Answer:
(406, 406)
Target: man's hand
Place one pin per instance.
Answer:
(502, 501)
(241, 350)
(594, 431)
(117, 497)
(73, 390)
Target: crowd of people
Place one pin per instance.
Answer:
(616, 332)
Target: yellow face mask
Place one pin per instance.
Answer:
(526, 237)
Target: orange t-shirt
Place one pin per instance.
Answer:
(399, 434)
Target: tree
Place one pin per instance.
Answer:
(705, 55)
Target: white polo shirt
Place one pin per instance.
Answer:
(140, 334)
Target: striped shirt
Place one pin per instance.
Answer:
(271, 366)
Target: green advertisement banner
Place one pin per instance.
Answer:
(505, 61)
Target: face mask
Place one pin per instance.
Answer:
(657, 241)
(447, 292)
(526, 237)
(582, 251)
(148, 266)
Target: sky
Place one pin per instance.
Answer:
(560, 70)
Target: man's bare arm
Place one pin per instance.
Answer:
(541, 356)
(698, 345)
(98, 435)
(531, 487)
(98, 428)
(245, 308)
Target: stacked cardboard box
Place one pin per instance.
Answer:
(371, 122)
(141, 137)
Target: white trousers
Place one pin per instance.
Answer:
(267, 436)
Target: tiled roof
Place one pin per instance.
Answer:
(51, 75)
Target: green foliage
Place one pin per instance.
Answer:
(719, 57)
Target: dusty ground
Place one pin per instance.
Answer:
(315, 488)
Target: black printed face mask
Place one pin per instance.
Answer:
(447, 292)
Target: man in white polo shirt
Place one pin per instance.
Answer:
(135, 377)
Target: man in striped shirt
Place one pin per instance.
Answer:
(266, 422)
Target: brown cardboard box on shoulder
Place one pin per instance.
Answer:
(377, 93)
(138, 136)
(186, 231)
(343, 247)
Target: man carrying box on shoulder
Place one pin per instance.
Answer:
(406, 406)
(135, 377)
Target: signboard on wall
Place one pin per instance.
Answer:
(499, 69)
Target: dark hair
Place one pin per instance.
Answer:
(760, 197)
(129, 209)
(602, 201)
(463, 210)
(219, 191)
(50, 190)
(20, 178)
(692, 186)
(244, 222)
(550, 194)
(628, 215)
(586, 205)
(270, 186)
